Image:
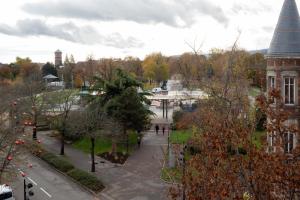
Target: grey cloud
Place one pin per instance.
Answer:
(170, 12)
(268, 29)
(69, 32)
(253, 8)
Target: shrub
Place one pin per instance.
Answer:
(59, 163)
(47, 156)
(177, 115)
(86, 179)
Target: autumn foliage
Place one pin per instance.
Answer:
(231, 162)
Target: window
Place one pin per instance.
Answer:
(288, 142)
(289, 90)
(271, 141)
(271, 85)
(272, 82)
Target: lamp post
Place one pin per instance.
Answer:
(34, 133)
(27, 187)
(183, 172)
(168, 138)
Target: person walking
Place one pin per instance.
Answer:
(139, 141)
(157, 128)
(163, 130)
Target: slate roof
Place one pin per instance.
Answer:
(286, 38)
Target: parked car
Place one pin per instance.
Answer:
(155, 90)
(6, 193)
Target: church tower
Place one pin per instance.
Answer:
(283, 65)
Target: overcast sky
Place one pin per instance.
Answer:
(119, 28)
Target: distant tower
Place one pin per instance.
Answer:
(283, 68)
(58, 58)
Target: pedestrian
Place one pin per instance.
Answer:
(163, 129)
(139, 141)
(157, 128)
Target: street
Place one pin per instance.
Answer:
(47, 183)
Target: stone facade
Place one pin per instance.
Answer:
(283, 66)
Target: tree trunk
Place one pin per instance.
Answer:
(127, 140)
(62, 149)
(114, 146)
(34, 130)
(93, 168)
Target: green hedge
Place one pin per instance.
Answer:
(86, 179)
(61, 164)
(46, 156)
(57, 162)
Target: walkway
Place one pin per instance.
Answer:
(138, 179)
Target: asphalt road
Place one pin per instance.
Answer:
(47, 183)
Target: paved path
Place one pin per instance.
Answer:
(138, 179)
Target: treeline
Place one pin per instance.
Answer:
(191, 68)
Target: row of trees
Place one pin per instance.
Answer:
(155, 68)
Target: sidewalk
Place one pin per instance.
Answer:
(137, 179)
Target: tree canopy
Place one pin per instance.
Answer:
(49, 68)
(156, 68)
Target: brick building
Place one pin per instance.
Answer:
(283, 66)
(58, 58)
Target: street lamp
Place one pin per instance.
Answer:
(168, 139)
(183, 171)
(34, 137)
(27, 187)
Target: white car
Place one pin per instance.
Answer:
(154, 90)
(6, 193)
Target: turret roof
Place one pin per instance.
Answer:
(286, 38)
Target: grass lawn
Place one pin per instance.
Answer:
(257, 136)
(254, 91)
(104, 144)
(171, 174)
(180, 136)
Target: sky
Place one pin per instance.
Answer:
(120, 28)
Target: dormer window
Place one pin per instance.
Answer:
(289, 90)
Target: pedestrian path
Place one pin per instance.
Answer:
(137, 179)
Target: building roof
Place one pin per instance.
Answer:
(58, 51)
(50, 76)
(286, 38)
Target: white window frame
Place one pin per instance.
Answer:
(289, 87)
(271, 141)
(272, 82)
(289, 142)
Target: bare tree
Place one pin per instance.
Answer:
(60, 104)
(10, 133)
(33, 91)
(91, 122)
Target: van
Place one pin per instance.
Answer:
(6, 193)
